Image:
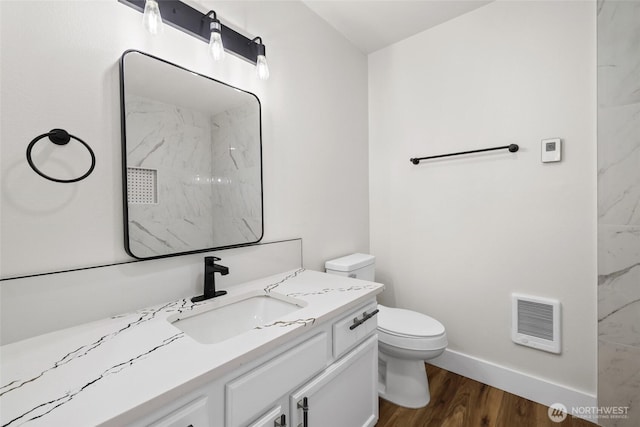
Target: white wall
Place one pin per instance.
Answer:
(59, 67)
(455, 237)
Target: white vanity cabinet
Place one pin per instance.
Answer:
(248, 395)
(344, 395)
(143, 368)
(334, 366)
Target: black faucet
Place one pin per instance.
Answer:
(210, 269)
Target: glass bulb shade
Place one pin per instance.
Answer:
(262, 68)
(151, 18)
(216, 48)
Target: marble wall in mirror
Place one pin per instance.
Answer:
(192, 160)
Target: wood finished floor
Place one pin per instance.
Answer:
(457, 401)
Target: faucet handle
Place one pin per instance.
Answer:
(211, 259)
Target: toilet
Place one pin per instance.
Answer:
(405, 340)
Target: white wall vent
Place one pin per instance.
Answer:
(535, 322)
(142, 186)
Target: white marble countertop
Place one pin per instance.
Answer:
(91, 373)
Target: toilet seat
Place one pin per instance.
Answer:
(407, 323)
(410, 330)
(408, 343)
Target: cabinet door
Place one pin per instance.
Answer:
(256, 391)
(344, 395)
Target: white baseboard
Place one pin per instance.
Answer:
(515, 382)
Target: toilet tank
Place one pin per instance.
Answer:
(359, 266)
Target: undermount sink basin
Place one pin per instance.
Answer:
(230, 316)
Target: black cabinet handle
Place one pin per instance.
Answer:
(280, 422)
(304, 405)
(365, 316)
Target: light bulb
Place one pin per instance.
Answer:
(216, 48)
(262, 68)
(151, 18)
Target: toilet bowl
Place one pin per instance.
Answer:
(405, 340)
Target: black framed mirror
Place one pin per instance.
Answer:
(191, 160)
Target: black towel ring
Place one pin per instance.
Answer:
(60, 137)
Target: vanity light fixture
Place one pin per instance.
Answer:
(261, 61)
(216, 48)
(205, 27)
(151, 18)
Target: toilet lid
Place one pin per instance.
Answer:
(398, 321)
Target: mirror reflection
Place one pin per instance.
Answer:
(192, 160)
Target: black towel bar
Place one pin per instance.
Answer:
(512, 148)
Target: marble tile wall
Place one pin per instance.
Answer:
(619, 210)
(177, 143)
(237, 196)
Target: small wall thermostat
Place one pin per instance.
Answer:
(551, 150)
